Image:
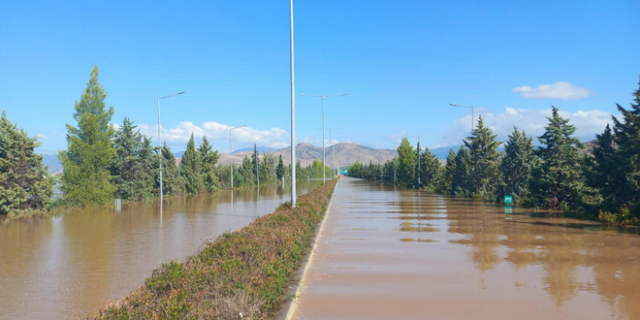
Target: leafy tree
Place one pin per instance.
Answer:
(172, 182)
(517, 164)
(406, 163)
(462, 182)
(355, 170)
(627, 137)
(208, 160)
(267, 168)
(190, 169)
(280, 172)
(558, 182)
(24, 182)
(485, 161)
(86, 178)
(246, 174)
(445, 178)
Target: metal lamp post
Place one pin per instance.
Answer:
(458, 106)
(160, 142)
(231, 150)
(293, 111)
(323, 96)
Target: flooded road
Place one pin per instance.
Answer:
(385, 254)
(71, 264)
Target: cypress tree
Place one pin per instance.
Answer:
(603, 172)
(86, 178)
(430, 166)
(190, 169)
(517, 164)
(462, 179)
(24, 182)
(485, 161)
(281, 170)
(406, 163)
(445, 177)
(627, 137)
(208, 160)
(558, 183)
(147, 169)
(124, 168)
(172, 182)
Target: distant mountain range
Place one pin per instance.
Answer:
(345, 154)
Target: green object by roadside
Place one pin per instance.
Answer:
(508, 199)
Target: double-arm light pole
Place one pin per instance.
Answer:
(160, 142)
(324, 96)
(458, 106)
(231, 150)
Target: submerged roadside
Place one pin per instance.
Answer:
(241, 274)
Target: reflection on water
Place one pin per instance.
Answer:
(423, 255)
(70, 264)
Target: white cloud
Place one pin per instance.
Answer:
(217, 134)
(558, 90)
(533, 121)
(42, 136)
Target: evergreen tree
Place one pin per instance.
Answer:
(355, 170)
(445, 178)
(462, 183)
(430, 166)
(124, 168)
(419, 181)
(558, 183)
(627, 137)
(485, 161)
(172, 182)
(86, 178)
(406, 163)
(517, 164)
(267, 167)
(24, 182)
(280, 172)
(246, 174)
(255, 162)
(147, 169)
(208, 160)
(603, 172)
(190, 168)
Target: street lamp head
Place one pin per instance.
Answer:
(453, 104)
(181, 92)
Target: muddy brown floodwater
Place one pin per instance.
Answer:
(70, 264)
(403, 254)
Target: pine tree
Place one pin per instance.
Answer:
(430, 166)
(86, 178)
(517, 164)
(190, 169)
(208, 160)
(147, 168)
(627, 137)
(255, 159)
(406, 163)
(246, 174)
(24, 182)
(172, 182)
(603, 172)
(485, 161)
(281, 170)
(419, 181)
(462, 182)
(124, 168)
(558, 183)
(445, 177)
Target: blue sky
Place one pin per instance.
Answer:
(402, 62)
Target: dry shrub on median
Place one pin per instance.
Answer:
(244, 272)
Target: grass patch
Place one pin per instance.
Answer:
(244, 272)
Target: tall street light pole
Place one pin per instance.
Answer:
(333, 152)
(231, 150)
(160, 142)
(323, 96)
(293, 112)
(455, 105)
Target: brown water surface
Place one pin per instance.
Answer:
(70, 264)
(404, 254)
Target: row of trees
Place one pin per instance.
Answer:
(560, 173)
(103, 162)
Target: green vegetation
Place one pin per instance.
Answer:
(245, 272)
(601, 184)
(24, 183)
